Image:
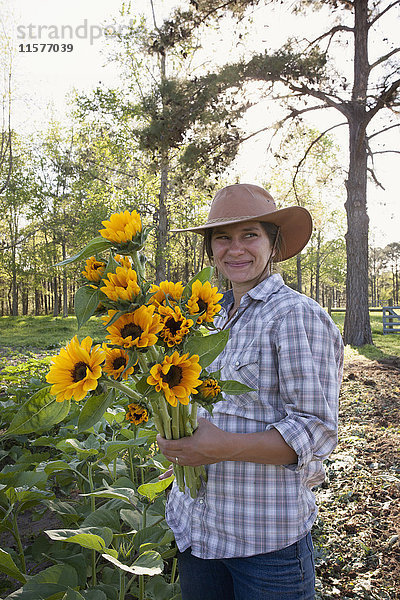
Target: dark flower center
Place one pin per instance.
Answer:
(79, 371)
(130, 329)
(173, 326)
(202, 305)
(173, 377)
(119, 362)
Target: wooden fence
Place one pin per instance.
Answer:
(391, 319)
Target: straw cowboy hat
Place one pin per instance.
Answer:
(247, 202)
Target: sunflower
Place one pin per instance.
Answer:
(124, 261)
(204, 299)
(121, 285)
(209, 388)
(176, 326)
(177, 376)
(166, 289)
(139, 328)
(75, 370)
(122, 227)
(137, 414)
(94, 269)
(116, 361)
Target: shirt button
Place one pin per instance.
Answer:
(237, 363)
(201, 501)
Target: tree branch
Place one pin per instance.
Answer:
(315, 141)
(379, 15)
(383, 99)
(383, 131)
(378, 183)
(331, 33)
(383, 58)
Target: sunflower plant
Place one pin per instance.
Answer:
(160, 340)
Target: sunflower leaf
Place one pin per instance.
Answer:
(93, 410)
(39, 413)
(97, 244)
(85, 303)
(231, 387)
(203, 276)
(208, 347)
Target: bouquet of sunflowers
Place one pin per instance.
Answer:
(160, 341)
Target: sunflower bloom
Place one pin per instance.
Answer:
(166, 289)
(138, 329)
(176, 326)
(75, 370)
(137, 414)
(121, 285)
(209, 388)
(177, 377)
(94, 269)
(204, 299)
(121, 227)
(124, 261)
(116, 361)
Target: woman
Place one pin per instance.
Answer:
(247, 534)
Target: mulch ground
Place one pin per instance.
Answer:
(357, 532)
(356, 535)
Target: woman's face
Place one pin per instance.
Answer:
(241, 252)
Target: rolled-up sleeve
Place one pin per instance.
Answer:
(310, 360)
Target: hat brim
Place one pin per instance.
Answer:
(295, 225)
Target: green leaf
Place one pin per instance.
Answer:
(208, 347)
(97, 244)
(152, 490)
(94, 538)
(79, 447)
(103, 517)
(148, 563)
(8, 566)
(40, 412)
(112, 449)
(93, 410)
(85, 303)
(154, 536)
(72, 595)
(231, 387)
(203, 276)
(128, 495)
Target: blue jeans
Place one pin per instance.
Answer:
(286, 574)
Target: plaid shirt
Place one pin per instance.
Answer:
(287, 347)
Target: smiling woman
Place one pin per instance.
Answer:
(247, 534)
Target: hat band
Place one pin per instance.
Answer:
(226, 219)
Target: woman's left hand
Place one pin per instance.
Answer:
(204, 447)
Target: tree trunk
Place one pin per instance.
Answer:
(14, 285)
(357, 327)
(56, 306)
(162, 225)
(318, 266)
(65, 283)
(299, 278)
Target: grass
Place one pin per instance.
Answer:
(52, 332)
(46, 332)
(385, 346)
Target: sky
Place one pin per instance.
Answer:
(43, 79)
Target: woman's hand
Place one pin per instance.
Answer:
(204, 447)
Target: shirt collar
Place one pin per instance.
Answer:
(263, 291)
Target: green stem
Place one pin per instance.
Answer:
(166, 419)
(157, 419)
(174, 411)
(193, 416)
(139, 268)
(92, 508)
(173, 570)
(121, 585)
(141, 587)
(131, 469)
(19, 543)
(143, 362)
(122, 387)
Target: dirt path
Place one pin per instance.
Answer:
(357, 534)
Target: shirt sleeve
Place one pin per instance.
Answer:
(310, 359)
